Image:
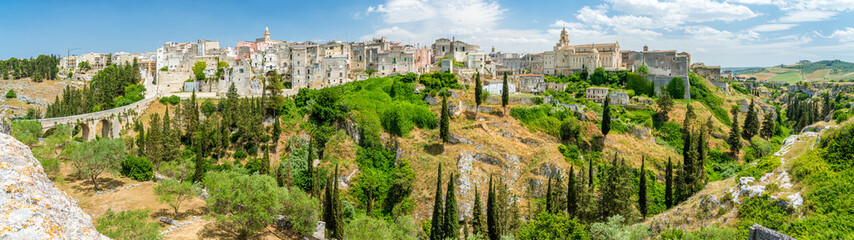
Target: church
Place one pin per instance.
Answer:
(567, 59)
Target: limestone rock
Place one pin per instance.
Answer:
(795, 200)
(32, 206)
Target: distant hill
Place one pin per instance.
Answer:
(825, 70)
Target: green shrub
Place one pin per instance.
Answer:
(27, 132)
(552, 226)
(138, 168)
(764, 211)
(401, 117)
(810, 167)
(439, 80)
(128, 225)
(365, 227)
(765, 164)
(546, 117)
(701, 92)
(301, 211)
(671, 133)
(11, 94)
(676, 88)
(240, 154)
(840, 147)
(761, 147)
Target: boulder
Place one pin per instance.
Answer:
(431, 100)
(32, 206)
(169, 221)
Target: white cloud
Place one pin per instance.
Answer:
(755, 2)
(681, 11)
(807, 16)
(846, 35)
(836, 5)
(403, 11)
(773, 27)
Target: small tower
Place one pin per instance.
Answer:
(267, 33)
(645, 48)
(564, 38)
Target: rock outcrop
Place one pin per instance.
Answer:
(31, 207)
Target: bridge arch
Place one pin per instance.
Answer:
(106, 128)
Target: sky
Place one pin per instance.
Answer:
(729, 33)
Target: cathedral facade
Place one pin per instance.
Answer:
(567, 59)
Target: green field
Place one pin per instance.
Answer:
(789, 77)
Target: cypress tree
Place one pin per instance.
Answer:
(478, 94)
(734, 139)
(505, 94)
(140, 140)
(642, 189)
(751, 123)
(571, 195)
(478, 220)
(767, 127)
(451, 219)
(337, 212)
(265, 161)
(436, 224)
(171, 145)
(668, 182)
(277, 131)
(491, 213)
(590, 174)
(549, 198)
(606, 115)
(328, 209)
(444, 131)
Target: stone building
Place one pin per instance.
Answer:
(663, 66)
(567, 59)
(457, 50)
(532, 83)
(597, 95)
(712, 73)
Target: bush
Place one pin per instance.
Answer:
(761, 148)
(614, 229)
(671, 133)
(439, 80)
(28, 132)
(552, 226)
(138, 168)
(840, 148)
(11, 94)
(764, 211)
(401, 117)
(547, 118)
(301, 211)
(364, 227)
(676, 88)
(246, 211)
(128, 225)
(765, 164)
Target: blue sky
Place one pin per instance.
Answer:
(731, 33)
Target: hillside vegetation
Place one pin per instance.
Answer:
(826, 70)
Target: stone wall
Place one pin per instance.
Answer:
(758, 232)
(660, 81)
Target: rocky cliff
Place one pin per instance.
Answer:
(31, 207)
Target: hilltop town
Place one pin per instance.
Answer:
(271, 139)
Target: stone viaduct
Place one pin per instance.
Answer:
(110, 121)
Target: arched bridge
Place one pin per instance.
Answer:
(110, 122)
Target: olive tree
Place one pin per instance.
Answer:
(93, 158)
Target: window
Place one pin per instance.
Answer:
(360, 57)
(394, 60)
(443, 48)
(404, 59)
(241, 70)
